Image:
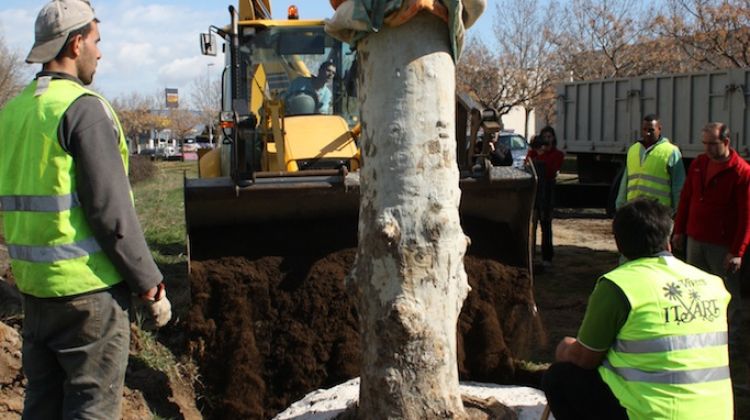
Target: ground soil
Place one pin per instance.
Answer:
(584, 250)
(269, 329)
(236, 322)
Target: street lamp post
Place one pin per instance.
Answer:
(210, 122)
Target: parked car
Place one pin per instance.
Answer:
(517, 144)
(168, 153)
(189, 145)
(150, 153)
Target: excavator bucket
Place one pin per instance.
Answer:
(496, 212)
(281, 215)
(316, 212)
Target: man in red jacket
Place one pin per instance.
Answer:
(714, 213)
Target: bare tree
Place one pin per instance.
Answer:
(479, 73)
(597, 35)
(182, 122)
(522, 69)
(11, 73)
(134, 111)
(205, 97)
(525, 38)
(713, 34)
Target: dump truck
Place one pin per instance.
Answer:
(597, 120)
(282, 188)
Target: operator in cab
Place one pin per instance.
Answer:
(315, 87)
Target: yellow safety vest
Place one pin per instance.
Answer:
(52, 248)
(650, 177)
(670, 359)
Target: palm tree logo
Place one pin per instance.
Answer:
(693, 306)
(672, 291)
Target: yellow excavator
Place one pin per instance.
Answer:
(284, 178)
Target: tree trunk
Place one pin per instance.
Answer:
(411, 246)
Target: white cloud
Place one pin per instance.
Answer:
(182, 71)
(17, 28)
(146, 45)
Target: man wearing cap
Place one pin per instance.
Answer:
(77, 250)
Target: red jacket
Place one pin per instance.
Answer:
(553, 160)
(718, 213)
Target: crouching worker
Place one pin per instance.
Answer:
(653, 342)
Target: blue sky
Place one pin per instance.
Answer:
(148, 45)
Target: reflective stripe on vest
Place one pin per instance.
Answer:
(674, 377)
(670, 358)
(54, 252)
(52, 247)
(40, 203)
(671, 343)
(649, 177)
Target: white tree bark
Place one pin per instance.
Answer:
(411, 246)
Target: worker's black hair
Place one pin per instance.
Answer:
(651, 117)
(326, 63)
(642, 228)
(548, 129)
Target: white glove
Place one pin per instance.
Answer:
(159, 308)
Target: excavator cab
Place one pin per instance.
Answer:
(288, 152)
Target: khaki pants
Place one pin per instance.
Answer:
(75, 351)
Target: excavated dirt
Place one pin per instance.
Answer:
(266, 330)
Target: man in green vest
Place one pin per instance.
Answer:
(653, 342)
(653, 168)
(77, 250)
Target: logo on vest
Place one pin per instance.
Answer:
(688, 303)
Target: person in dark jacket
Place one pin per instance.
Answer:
(547, 160)
(714, 216)
(500, 155)
(77, 249)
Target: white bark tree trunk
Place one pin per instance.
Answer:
(411, 246)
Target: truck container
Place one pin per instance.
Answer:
(598, 120)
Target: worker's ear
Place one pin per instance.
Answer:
(75, 45)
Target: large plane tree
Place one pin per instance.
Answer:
(409, 263)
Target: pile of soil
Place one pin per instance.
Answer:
(266, 330)
(11, 378)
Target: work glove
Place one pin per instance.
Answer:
(158, 308)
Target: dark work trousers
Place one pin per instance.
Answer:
(543, 216)
(710, 258)
(579, 394)
(75, 351)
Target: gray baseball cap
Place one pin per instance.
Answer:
(55, 22)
